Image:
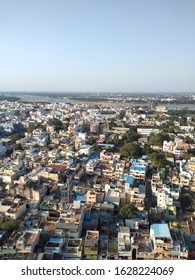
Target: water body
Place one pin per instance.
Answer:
(45, 98)
(31, 97)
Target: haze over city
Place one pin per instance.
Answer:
(97, 46)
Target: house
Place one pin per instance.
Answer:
(124, 243)
(17, 208)
(70, 221)
(72, 249)
(147, 131)
(54, 244)
(27, 242)
(138, 169)
(86, 150)
(129, 182)
(91, 245)
(162, 241)
(167, 146)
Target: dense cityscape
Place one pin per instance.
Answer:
(106, 177)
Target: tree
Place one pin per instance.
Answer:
(157, 159)
(17, 146)
(57, 123)
(128, 211)
(185, 200)
(130, 150)
(95, 147)
(9, 225)
(85, 127)
(131, 135)
(121, 115)
(158, 139)
(16, 136)
(90, 141)
(189, 140)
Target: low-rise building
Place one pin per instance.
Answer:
(91, 245)
(162, 241)
(27, 242)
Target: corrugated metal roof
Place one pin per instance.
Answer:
(161, 230)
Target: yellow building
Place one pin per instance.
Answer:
(191, 164)
(48, 174)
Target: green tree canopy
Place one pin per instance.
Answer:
(57, 123)
(16, 136)
(158, 139)
(17, 146)
(157, 159)
(131, 135)
(128, 211)
(9, 225)
(90, 141)
(185, 200)
(85, 127)
(130, 150)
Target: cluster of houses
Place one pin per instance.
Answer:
(63, 197)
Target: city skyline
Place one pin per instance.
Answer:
(97, 46)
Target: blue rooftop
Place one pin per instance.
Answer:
(87, 216)
(96, 155)
(137, 168)
(81, 197)
(56, 240)
(130, 180)
(161, 230)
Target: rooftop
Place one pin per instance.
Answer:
(161, 230)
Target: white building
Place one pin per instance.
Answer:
(164, 200)
(168, 146)
(86, 150)
(147, 131)
(90, 165)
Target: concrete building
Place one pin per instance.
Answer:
(124, 243)
(27, 242)
(91, 245)
(70, 221)
(162, 241)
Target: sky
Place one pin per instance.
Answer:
(97, 45)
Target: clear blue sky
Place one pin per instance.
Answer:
(97, 45)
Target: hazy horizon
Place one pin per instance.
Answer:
(92, 92)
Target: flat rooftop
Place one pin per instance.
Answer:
(161, 231)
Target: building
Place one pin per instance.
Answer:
(124, 243)
(27, 242)
(17, 209)
(138, 169)
(70, 221)
(86, 150)
(91, 245)
(147, 131)
(162, 241)
(191, 164)
(90, 166)
(167, 146)
(54, 244)
(2, 150)
(72, 249)
(129, 182)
